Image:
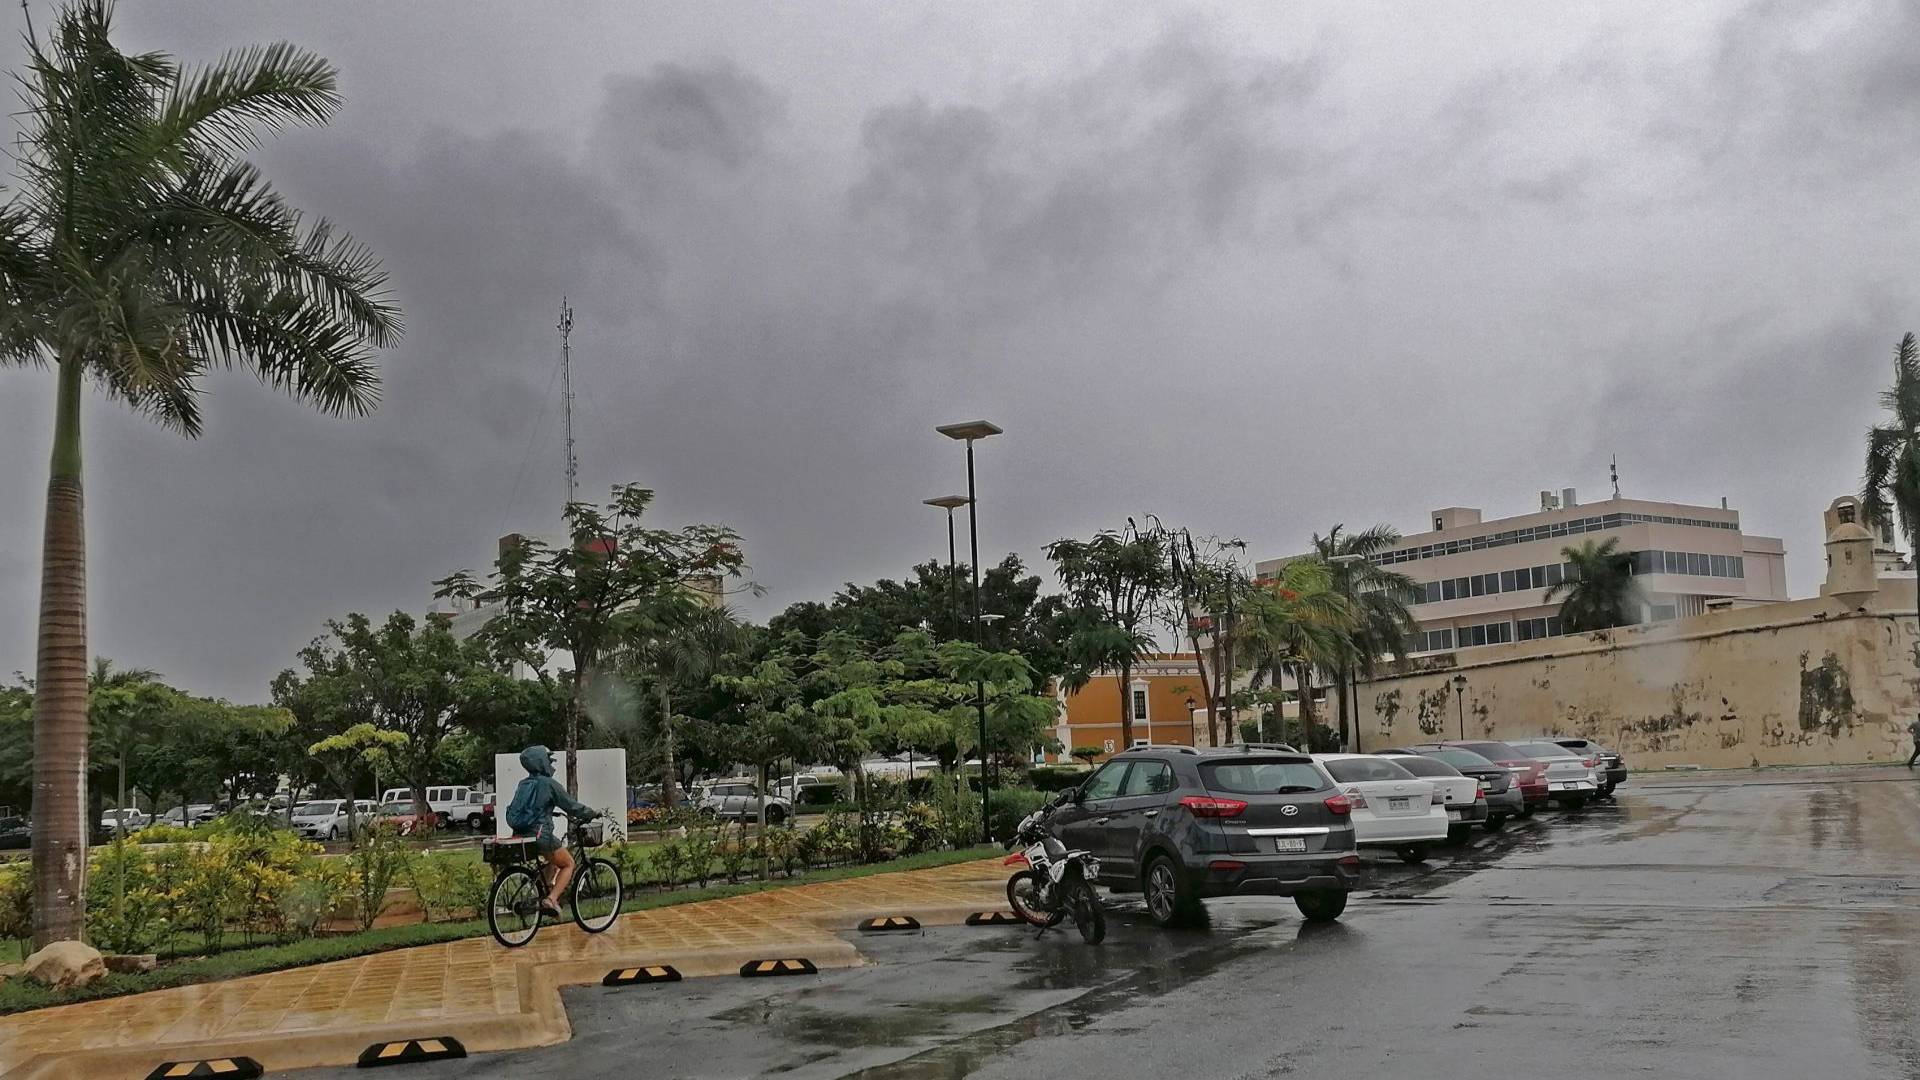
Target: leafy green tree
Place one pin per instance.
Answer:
(678, 662)
(1599, 590)
(1296, 623)
(122, 706)
(139, 251)
(360, 748)
(1117, 586)
(408, 676)
(615, 582)
(1377, 600)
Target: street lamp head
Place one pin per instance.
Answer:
(1459, 684)
(969, 431)
(991, 618)
(1190, 705)
(948, 502)
(1347, 560)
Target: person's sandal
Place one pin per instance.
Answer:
(548, 907)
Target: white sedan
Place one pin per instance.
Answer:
(1391, 808)
(130, 817)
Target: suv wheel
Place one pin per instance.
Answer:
(1413, 853)
(333, 832)
(1321, 905)
(474, 821)
(1496, 822)
(1170, 900)
(775, 815)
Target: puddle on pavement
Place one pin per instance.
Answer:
(898, 1025)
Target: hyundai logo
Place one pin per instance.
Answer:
(1289, 810)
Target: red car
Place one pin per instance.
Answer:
(1529, 773)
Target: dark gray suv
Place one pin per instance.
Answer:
(1181, 825)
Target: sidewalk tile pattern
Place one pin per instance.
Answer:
(472, 977)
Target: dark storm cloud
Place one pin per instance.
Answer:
(1255, 274)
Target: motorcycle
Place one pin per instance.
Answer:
(1055, 883)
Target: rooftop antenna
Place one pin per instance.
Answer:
(566, 392)
(1614, 468)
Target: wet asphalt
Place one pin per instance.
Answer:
(1755, 926)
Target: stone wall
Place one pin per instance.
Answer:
(1808, 682)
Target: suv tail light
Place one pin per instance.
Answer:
(1439, 797)
(1209, 806)
(1591, 763)
(1341, 805)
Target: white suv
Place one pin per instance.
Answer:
(326, 819)
(449, 804)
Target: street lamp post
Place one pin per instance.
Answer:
(949, 503)
(1460, 703)
(968, 433)
(1192, 736)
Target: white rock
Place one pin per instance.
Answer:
(66, 965)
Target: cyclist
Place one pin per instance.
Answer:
(530, 814)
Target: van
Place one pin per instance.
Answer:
(449, 804)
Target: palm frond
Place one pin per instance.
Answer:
(261, 88)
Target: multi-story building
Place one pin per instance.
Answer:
(1481, 582)
(1168, 707)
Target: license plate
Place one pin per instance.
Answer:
(1563, 787)
(1453, 815)
(1289, 843)
(1400, 804)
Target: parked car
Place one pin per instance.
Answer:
(1466, 796)
(1183, 824)
(449, 803)
(129, 818)
(1502, 793)
(1571, 779)
(738, 799)
(193, 814)
(1613, 767)
(1390, 807)
(480, 818)
(15, 832)
(405, 817)
(326, 819)
(794, 788)
(1530, 774)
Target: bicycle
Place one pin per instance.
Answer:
(514, 914)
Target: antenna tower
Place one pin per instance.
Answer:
(566, 392)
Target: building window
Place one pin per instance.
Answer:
(1739, 567)
(1448, 591)
(1140, 703)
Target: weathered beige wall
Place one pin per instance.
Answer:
(1807, 682)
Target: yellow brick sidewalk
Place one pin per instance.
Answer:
(476, 979)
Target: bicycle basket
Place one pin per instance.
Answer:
(515, 850)
(592, 833)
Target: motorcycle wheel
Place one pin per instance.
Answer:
(1023, 896)
(1087, 915)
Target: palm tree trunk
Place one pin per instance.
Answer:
(60, 689)
(573, 728)
(1340, 676)
(1126, 714)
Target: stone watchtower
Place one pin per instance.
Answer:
(1852, 574)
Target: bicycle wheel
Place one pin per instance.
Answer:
(513, 906)
(596, 895)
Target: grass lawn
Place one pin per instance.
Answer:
(20, 994)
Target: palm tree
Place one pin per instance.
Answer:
(113, 703)
(1378, 598)
(1890, 489)
(139, 251)
(1599, 590)
(1295, 624)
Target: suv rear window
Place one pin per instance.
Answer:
(1420, 766)
(1262, 777)
(1495, 751)
(1354, 770)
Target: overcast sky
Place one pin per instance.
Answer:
(1256, 268)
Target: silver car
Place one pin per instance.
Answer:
(740, 801)
(1571, 779)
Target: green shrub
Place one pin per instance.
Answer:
(324, 888)
(378, 859)
(629, 860)
(806, 849)
(162, 833)
(734, 851)
(700, 852)
(959, 807)
(1007, 806)
(836, 839)
(782, 846)
(924, 828)
(670, 862)
(449, 887)
(210, 892)
(126, 911)
(16, 902)
(1047, 779)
